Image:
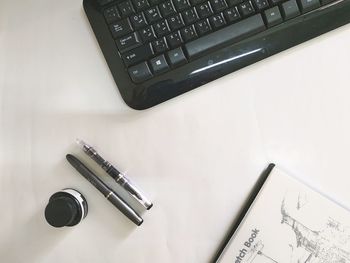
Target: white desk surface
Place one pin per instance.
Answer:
(197, 156)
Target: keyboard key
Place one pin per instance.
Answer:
(275, 2)
(290, 9)
(234, 2)
(175, 22)
(161, 28)
(181, 4)
(160, 45)
(167, 8)
(174, 39)
(140, 72)
(111, 14)
(231, 15)
(152, 15)
(246, 9)
(141, 4)
(190, 16)
(308, 5)
(138, 54)
(159, 64)
(126, 8)
(217, 21)
(120, 28)
(147, 34)
(203, 27)
(188, 33)
(176, 57)
(196, 2)
(229, 34)
(218, 5)
(155, 2)
(273, 16)
(138, 21)
(128, 42)
(204, 10)
(261, 4)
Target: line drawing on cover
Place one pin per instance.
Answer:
(329, 244)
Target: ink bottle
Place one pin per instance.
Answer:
(67, 207)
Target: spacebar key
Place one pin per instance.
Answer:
(232, 33)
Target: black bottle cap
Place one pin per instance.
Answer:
(60, 211)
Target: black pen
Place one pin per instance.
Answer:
(105, 190)
(244, 210)
(120, 178)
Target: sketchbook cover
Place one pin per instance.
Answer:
(289, 222)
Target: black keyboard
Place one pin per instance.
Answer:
(158, 49)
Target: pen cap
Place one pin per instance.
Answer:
(66, 208)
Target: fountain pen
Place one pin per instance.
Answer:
(119, 177)
(110, 195)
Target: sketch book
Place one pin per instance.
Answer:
(288, 222)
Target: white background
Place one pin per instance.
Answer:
(196, 156)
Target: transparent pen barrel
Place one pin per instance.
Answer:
(105, 165)
(129, 187)
(134, 192)
(116, 175)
